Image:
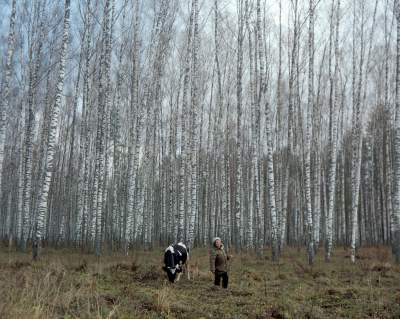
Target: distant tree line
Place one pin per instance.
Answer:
(137, 123)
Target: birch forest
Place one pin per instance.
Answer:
(128, 124)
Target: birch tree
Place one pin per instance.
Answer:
(239, 75)
(194, 110)
(356, 137)
(6, 85)
(44, 193)
(135, 135)
(396, 164)
(183, 162)
(333, 143)
(84, 135)
(310, 108)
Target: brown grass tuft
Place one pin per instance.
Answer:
(163, 300)
(82, 267)
(381, 267)
(17, 265)
(273, 313)
(151, 274)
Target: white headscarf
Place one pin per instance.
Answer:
(215, 239)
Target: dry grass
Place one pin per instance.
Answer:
(68, 284)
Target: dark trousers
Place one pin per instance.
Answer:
(224, 276)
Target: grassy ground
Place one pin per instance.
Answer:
(67, 284)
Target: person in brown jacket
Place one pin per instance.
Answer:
(219, 263)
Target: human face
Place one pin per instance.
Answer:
(218, 243)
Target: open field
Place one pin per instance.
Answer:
(67, 284)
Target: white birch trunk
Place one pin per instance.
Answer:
(83, 143)
(333, 140)
(4, 106)
(252, 84)
(239, 75)
(44, 193)
(256, 136)
(271, 184)
(135, 135)
(396, 164)
(194, 97)
(20, 223)
(310, 237)
(182, 189)
(356, 146)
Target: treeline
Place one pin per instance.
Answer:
(143, 122)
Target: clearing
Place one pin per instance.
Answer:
(68, 284)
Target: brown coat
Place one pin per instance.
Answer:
(219, 259)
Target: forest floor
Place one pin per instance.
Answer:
(67, 284)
